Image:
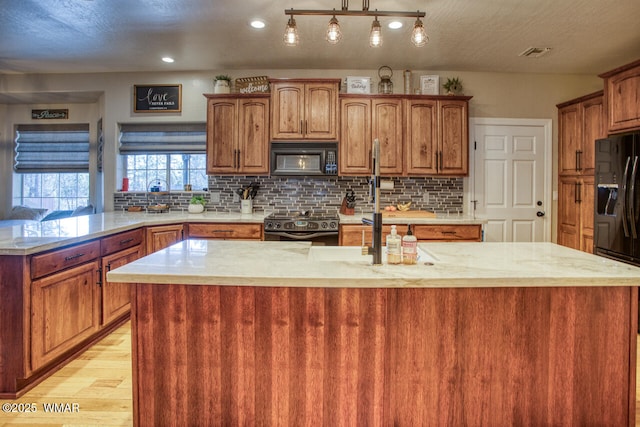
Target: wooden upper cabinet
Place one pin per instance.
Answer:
(238, 134)
(580, 122)
(422, 136)
(387, 127)
(622, 97)
(569, 135)
(437, 139)
(593, 127)
(453, 129)
(304, 109)
(355, 136)
(253, 136)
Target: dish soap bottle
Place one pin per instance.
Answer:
(394, 254)
(409, 247)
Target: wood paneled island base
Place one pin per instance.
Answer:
(241, 355)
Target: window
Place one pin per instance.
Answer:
(51, 168)
(173, 154)
(174, 169)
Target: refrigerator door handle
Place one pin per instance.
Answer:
(624, 198)
(632, 198)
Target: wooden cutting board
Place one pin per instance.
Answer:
(408, 214)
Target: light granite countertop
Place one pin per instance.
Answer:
(40, 236)
(452, 219)
(450, 265)
(32, 236)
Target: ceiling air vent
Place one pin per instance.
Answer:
(535, 52)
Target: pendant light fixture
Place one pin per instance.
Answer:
(419, 35)
(375, 36)
(291, 37)
(334, 32)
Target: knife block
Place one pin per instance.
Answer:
(346, 210)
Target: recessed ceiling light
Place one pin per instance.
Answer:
(257, 23)
(394, 25)
(167, 59)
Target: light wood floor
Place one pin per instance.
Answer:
(99, 381)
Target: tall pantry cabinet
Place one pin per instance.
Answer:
(580, 122)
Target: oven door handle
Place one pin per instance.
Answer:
(302, 236)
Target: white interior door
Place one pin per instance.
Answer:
(512, 178)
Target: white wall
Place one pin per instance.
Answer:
(494, 95)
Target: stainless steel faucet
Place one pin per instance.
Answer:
(374, 190)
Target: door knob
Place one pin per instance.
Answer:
(540, 213)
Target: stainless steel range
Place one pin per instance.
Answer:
(320, 229)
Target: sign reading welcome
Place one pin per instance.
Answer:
(157, 98)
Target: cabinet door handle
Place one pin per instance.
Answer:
(306, 127)
(238, 156)
(449, 233)
(301, 127)
(578, 192)
(125, 241)
(437, 161)
(222, 231)
(441, 161)
(578, 160)
(72, 257)
(99, 282)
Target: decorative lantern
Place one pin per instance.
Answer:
(386, 85)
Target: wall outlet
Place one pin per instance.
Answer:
(425, 197)
(236, 197)
(215, 197)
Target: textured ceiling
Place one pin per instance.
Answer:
(69, 36)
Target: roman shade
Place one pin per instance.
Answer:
(163, 138)
(52, 148)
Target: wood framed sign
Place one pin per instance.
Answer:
(50, 114)
(157, 98)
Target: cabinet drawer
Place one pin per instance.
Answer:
(448, 232)
(226, 231)
(58, 260)
(120, 241)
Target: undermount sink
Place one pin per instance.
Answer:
(354, 254)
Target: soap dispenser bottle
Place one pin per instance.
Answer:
(394, 253)
(409, 247)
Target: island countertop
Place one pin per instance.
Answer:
(443, 265)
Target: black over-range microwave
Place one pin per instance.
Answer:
(304, 158)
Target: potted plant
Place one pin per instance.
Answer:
(196, 204)
(222, 84)
(453, 86)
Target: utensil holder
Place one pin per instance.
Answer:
(246, 206)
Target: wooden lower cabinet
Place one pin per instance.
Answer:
(162, 236)
(225, 230)
(116, 297)
(118, 250)
(351, 234)
(65, 310)
(576, 204)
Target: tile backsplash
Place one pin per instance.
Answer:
(321, 195)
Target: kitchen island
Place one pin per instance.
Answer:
(278, 333)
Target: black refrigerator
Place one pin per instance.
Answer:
(617, 207)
